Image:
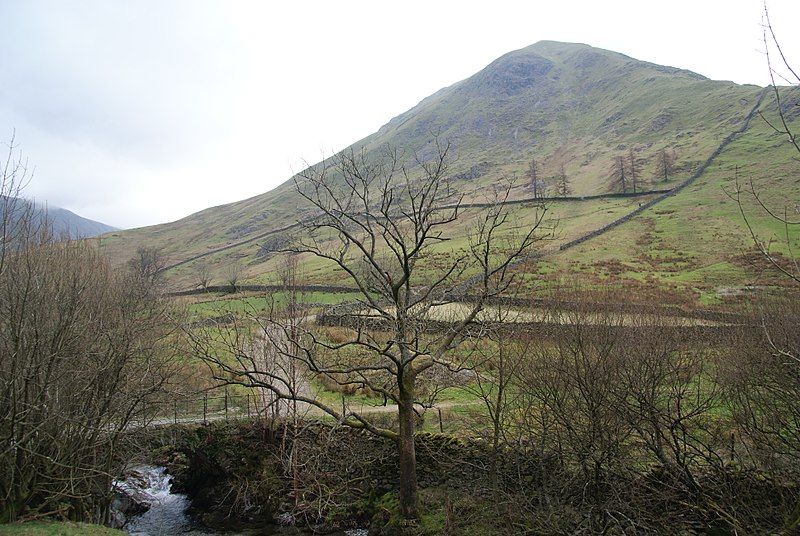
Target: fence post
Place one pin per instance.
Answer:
(205, 407)
(248, 404)
(441, 424)
(226, 403)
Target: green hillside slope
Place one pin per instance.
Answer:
(567, 105)
(696, 242)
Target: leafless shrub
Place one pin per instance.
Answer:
(83, 348)
(233, 273)
(572, 393)
(81, 352)
(762, 377)
(627, 424)
(203, 275)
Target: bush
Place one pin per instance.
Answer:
(83, 348)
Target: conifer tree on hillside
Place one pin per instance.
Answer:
(563, 186)
(665, 164)
(619, 178)
(536, 181)
(634, 170)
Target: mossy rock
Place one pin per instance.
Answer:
(387, 520)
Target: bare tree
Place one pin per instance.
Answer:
(233, 272)
(762, 380)
(766, 404)
(203, 276)
(147, 264)
(16, 216)
(379, 223)
(500, 356)
(789, 76)
(666, 163)
(291, 369)
(787, 217)
(83, 348)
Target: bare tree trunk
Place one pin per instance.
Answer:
(497, 424)
(409, 503)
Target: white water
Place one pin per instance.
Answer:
(167, 514)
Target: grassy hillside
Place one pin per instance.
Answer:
(562, 104)
(570, 219)
(696, 242)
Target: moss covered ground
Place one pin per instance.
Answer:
(55, 528)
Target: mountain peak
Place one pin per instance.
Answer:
(584, 57)
(63, 222)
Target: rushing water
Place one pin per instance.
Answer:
(167, 514)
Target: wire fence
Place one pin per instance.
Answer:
(210, 406)
(222, 405)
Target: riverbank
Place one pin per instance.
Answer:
(319, 478)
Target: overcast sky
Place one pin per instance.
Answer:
(137, 113)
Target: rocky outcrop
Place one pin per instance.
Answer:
(130, 498)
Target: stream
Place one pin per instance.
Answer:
(167, 513)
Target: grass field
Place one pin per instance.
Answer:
(66, 528)
(207, 306)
